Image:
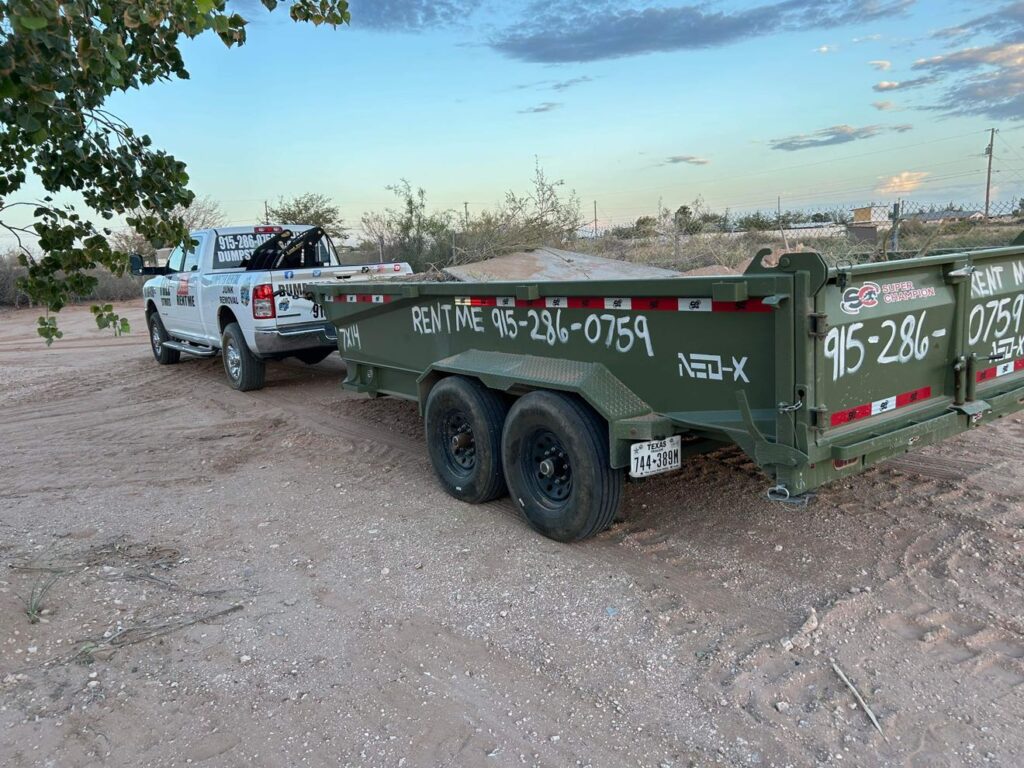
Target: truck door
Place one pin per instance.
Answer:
(187, 304)
(170, 312)
(180, 312)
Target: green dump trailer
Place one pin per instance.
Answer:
(554, 391)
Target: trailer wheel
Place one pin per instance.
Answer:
(555, 450)
(245, 371)
(157, 337)
(463, 423)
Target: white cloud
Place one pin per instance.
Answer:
(902, 85)
(901, 183)
(881, 65)
(826, 49)
(883, 106)
(688, 159)
(867, 38)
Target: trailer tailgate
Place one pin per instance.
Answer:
(915, 350)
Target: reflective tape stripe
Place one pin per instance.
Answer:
(886, 404)
(625, 303)
(363, 298)
(1003, 369)
(622, 303)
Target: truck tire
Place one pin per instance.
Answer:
(555, 450)
(463, 421)
(244, 370)
(157, 337)
(314, 356)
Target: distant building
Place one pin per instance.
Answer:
(872, 214)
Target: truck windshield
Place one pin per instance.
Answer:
(231, 249)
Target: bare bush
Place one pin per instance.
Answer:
(109, 287)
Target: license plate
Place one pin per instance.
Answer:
(654, 457)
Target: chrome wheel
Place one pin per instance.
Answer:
(233, 358)
(154, 335)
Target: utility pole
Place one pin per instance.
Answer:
(988, 182)
(266, 213)
(595, 219)
(896, 213)
(465, 207)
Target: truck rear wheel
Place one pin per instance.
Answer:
(245, 371)
(463, 423)
(555, 450)
(157, 337)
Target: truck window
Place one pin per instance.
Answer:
(176, 259)
(192, 256)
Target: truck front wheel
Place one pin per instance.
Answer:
(555, 451)
(463, 421)
(157, 336)
(245, 371)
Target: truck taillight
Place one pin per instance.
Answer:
(263, 302)
(267, 230)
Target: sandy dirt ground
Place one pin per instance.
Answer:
(275, 579)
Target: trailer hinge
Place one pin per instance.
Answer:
(818, 414)
(819, 325)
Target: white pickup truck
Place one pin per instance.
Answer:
(242, 291)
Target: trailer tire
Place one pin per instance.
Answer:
(244, 370)
(463, 421)
(555, 450)
(157, 337)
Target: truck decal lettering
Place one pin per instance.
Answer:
(231, 250)
(619, 332)
(995, 319)
(349, 336)
(905, 340)
(469, 317)
(856, 298)
(711, 367)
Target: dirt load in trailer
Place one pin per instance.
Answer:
(553, 391)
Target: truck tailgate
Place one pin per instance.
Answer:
(292, 285)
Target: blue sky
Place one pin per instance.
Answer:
(628, 102)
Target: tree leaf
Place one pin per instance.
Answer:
(32, 22)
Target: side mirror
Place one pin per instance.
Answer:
(135, 264)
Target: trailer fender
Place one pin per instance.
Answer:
(626, 414)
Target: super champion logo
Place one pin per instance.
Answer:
(856, 298)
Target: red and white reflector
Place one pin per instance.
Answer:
(623, 303)
(1003, 369)
(886, 404)
(363, 298)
